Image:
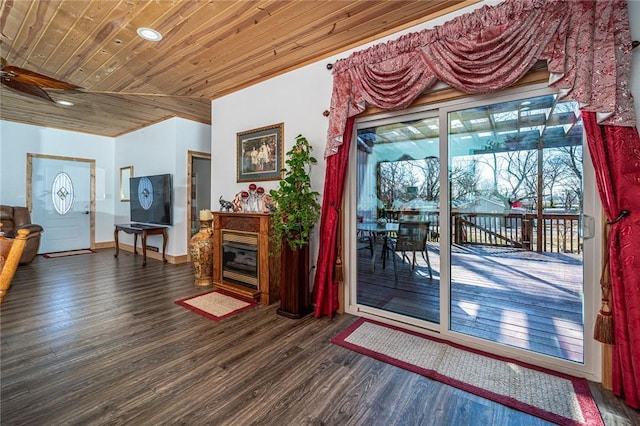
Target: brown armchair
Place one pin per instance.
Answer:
(16, 218)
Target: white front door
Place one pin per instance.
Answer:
(61, 203)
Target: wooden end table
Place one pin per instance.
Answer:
(144, 230)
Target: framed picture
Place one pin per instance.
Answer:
(260, 154)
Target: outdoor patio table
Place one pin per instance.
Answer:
(376, 231)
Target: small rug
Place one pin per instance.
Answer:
(552, 396)
(215, 305)
(66, 253)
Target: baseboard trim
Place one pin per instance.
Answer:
(182, 258)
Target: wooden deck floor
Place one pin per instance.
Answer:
(516, 297)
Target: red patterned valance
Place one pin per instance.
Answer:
(586, 44)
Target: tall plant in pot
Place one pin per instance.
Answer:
(292, 223)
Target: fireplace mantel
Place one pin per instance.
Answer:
(250, 224)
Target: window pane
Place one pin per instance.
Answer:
(516, 200)
(62, 193)
(397, 212)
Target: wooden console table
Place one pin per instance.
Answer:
(144, 230)
(256, 226)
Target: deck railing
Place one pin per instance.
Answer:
(551, 232)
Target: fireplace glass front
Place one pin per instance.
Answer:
(240, 258)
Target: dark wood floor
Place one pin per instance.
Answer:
(95, 340)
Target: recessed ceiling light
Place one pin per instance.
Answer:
(64, 103)
(149, 34)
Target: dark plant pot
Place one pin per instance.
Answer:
(294, 283)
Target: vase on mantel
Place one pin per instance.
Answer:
(201, 250)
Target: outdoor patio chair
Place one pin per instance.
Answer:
(411, 238)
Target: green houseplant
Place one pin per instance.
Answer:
(298, 209)
(296, 214)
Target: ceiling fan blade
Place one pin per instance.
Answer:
(25, 76)
(29, 89)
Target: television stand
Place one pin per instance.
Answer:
(144, 230)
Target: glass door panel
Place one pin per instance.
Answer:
(397, 229)
(516, 201)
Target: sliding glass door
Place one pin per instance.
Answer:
(516, 203)
(467, 220)
(397, 220)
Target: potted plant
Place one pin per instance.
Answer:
(292, 223)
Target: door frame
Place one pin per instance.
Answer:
(190, 156)
(591, 367)
(92, 209)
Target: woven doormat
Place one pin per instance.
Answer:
(552, 396)
(215, 305)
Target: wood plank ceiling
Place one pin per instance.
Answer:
(209, 49)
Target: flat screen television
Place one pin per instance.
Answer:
(151, 199)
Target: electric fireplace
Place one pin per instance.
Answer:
(243, 260)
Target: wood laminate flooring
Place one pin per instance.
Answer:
(98, 340)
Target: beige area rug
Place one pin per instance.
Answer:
(215, 305)
(66, 253)
(552, 396)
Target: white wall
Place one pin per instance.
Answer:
(161, 148)
(297, 99)
(16, 140)
(189, 136)
(158, 149)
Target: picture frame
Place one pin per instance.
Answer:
(260, 153)
(126, 173)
